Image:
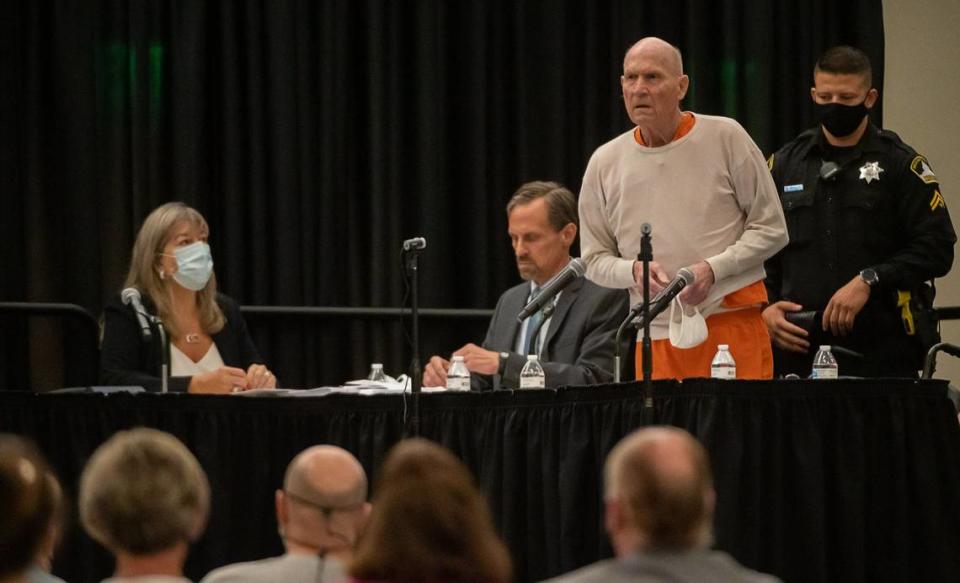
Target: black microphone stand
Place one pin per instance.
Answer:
(164, 353)
(645, 257)
(412, 256)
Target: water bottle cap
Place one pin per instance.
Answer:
(532, 357)
(723, 347)
(457, 359)
(824, 347)
(376, 365)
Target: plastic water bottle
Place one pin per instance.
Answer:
(825, 364)
(458, 376)
(723, 365)
(376, 373)
(532, 375)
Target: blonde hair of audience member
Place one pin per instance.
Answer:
(26, 506)
(430, 522)
(658, 492)
(323, 508)
(144, 496)
(147, 273)
(51, 539)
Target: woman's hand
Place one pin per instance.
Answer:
(260, 377)
(224, 380)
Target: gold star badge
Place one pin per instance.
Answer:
(870, 171)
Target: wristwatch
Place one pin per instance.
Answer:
(504, 357)
(870, 277)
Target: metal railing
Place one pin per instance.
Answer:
(364, 313)
(72, 311)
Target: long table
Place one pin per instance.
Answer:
(846, 480)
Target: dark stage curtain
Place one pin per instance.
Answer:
(852, 481)
(315, 136)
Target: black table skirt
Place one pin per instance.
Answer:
(848, 480)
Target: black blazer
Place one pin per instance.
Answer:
(125, 359)
(578, 348)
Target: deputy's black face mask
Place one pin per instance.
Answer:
(839, 119)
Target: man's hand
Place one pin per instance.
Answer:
(845, 305)
(697, 291)
(479, 360)
(658, 277)
(785, 335)
(435, 372)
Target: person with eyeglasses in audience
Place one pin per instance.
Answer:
(321, 512)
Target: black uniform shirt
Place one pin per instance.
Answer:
(881, 209)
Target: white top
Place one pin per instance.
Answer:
(708, 196)
(182, 366)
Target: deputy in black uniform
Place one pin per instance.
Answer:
(868, 226)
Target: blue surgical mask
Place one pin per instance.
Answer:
(194, 265)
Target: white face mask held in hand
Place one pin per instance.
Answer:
(686, 331)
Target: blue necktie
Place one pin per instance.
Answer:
(533, 322)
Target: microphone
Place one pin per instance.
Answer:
(131, 297)
(828, 170)
(660, 302)
(415, 243)
(572, 271)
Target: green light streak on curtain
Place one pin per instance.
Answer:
(728, 83)
(116, 64)
(156, 80)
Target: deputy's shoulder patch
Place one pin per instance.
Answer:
(922, 169)
(770, 162)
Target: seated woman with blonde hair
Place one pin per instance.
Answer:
(210, 348)
(430, 523)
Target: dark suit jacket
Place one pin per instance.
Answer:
(125, 359)
(578, 348)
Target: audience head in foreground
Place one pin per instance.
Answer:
(144, 497)
(430, 522)
(659, 502)
(28, 502)
(321, 512)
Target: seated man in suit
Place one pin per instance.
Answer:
(575, 343)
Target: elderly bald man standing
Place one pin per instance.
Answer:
(704, 187)
(321, 512)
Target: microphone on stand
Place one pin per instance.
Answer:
(660, 302)
(131, 297)
(572, 271)
(417, 243)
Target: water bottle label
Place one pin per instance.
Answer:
(723, 372)
(824, 373)
(458, 383)
(532, 382)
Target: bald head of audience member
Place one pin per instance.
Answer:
(659, 492)
(653, 86)
(144, 496)
(323, 508)
(27, 506)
